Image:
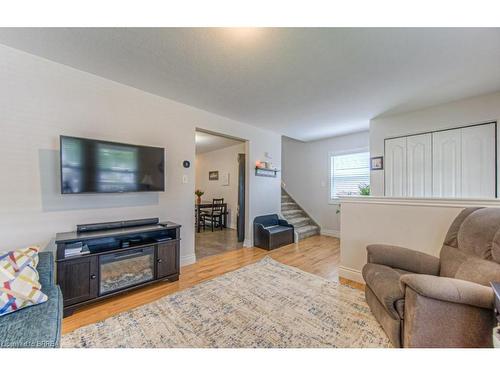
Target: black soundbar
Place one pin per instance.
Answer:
(80, 228)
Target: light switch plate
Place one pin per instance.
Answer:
(184, 179)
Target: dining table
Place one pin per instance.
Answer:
(208, 205)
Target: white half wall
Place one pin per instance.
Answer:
(419, 224)
(480, 109)
(225, 161)
(41, 100)
(306, 175)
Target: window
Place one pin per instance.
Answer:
(348, 172)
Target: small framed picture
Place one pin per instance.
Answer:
(213, 175)
(377, 163)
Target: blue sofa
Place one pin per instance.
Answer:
(36, 326)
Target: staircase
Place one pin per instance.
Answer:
(295, 215)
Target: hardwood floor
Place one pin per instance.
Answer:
(319, 255)
(208, 243)
(352, 284)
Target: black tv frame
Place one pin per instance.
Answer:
(113, 143)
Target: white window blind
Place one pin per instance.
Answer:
(348, 172)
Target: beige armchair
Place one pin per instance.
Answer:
(424, 301)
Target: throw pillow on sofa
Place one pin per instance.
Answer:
(19, 282)
(13, 262)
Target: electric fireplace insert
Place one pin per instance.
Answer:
(124, 269)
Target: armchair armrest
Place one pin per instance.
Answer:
(284, 223)
(260, 228)
(449, 290)
(403, 258)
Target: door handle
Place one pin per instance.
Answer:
(92, 277)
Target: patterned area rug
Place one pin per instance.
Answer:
(266, 304)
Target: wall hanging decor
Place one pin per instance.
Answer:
(377, 163)
(213, 175)
(266, 172)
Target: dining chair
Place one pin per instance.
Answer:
(215, 214)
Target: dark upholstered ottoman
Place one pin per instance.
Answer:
(271, 232)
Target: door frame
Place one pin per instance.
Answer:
(241, 211)
(246, 142)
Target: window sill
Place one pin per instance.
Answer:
(338, 200)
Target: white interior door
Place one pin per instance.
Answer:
(395, 167)
(478, 161)
(419, 165)
(447, 163)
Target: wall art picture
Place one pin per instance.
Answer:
(213, 175)
(377, 163)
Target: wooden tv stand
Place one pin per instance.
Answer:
(118, 260)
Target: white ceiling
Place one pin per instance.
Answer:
(304, 83)
(206, 142)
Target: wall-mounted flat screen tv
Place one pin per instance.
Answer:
(94, 166)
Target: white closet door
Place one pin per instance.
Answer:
(419, 165)
(447, 163)
(395, 167)
(478, 161)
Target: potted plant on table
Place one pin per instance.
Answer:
(198, 194)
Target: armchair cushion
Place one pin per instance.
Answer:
(495, 248)
(451, 260)
(478, 231)
(451, 238)
(278, 229)
(479, 271)
(449, 290)
(384, 283)
(403, 258)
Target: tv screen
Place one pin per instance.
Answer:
(93, 166)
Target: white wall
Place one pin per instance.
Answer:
(419, 224)
(306, 173)
(225, 161)
(469, 111)
(40, 99)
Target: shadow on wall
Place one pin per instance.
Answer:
(53, 200)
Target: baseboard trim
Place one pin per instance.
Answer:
(247, 243)
(330, 232)
(188, 259)
(351, 274)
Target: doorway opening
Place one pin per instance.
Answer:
(220, 193)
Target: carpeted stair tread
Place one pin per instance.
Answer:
(302, 222)
(289, 214)
(299, 221)
(307, 231)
